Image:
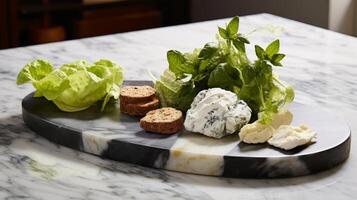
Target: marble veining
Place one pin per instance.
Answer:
(320, 64)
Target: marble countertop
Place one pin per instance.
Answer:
(320, 64)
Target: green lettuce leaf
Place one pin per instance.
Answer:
(74, 86)
(34, 71)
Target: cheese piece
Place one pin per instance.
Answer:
(255, 133)
(259, 133)
(216, 112)
(238, 115)
(288, 137)
(283, 117)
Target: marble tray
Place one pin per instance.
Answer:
(119, 137)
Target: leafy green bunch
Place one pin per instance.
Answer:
(74, 86)
(225, 64)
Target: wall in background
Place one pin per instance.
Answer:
(355, 19)
(22, 20)
(313, 12)
(342, 16)
(337, 15)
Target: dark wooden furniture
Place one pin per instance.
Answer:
(93, 22)
(22, 21)
(3, 24)
(19, 19)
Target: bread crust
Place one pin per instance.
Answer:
(139, 109)
(163, 126)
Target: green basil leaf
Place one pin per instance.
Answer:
(224, 76)
(239, 45)
(243, 39)
(208, 51)
(273, 48)
(232, 28)
(223, 33)
(260, 52)
(278, 64)
(277, 57)
(178, 63)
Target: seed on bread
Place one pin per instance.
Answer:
(164, 120)
(139, 109)
(136, 94)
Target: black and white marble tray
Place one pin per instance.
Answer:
(119, 137)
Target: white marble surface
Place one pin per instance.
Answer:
(321, 65)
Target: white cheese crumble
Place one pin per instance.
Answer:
(255, 133)
(288, 137)
(216, 112)
(259, 133)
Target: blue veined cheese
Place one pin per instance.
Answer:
(216, 112)
(238, 115)
(288, 137)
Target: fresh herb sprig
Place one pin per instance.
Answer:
(225, 64)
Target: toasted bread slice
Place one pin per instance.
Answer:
(164, 120)
(139, 109)
(136, 94)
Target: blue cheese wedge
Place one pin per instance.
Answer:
(237, 116)
(288, 137)
(216, 113)
(256, 132)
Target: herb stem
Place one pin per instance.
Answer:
(279, 82)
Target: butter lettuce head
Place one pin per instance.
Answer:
(74, 86)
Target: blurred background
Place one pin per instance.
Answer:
(28, 22)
